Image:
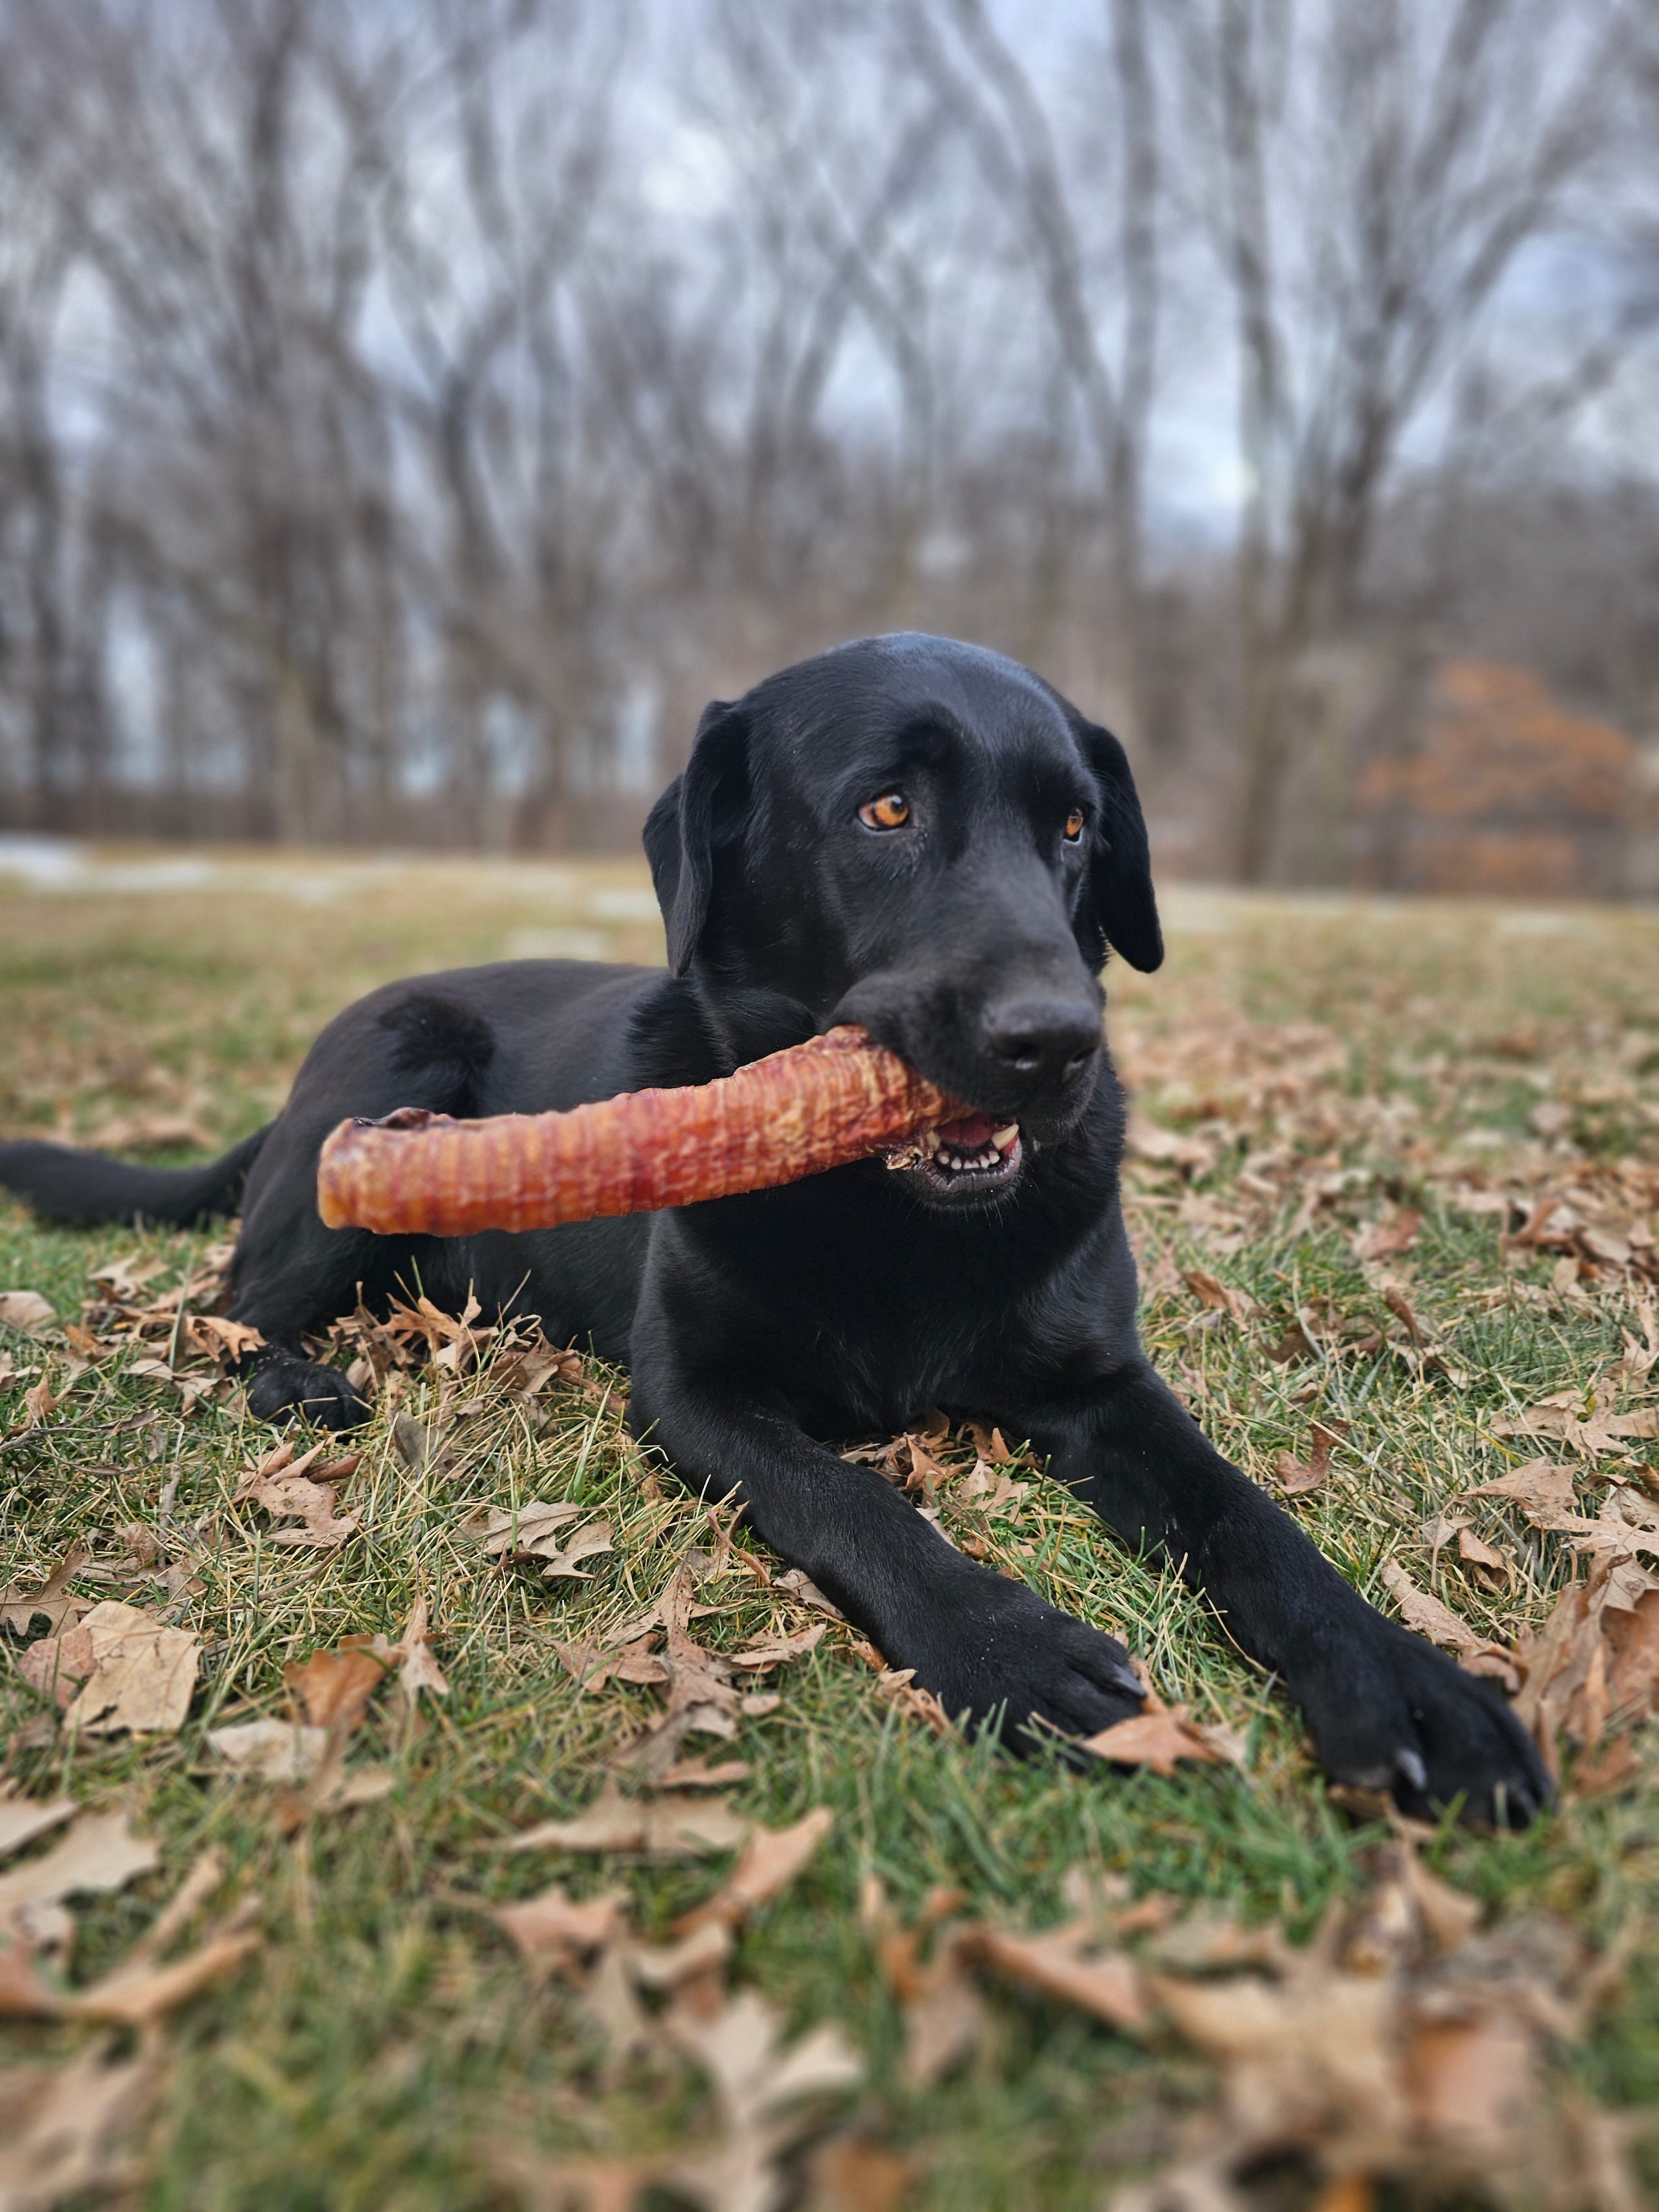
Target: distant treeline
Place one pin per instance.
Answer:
(411, 415)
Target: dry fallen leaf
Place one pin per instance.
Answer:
(551, 1928)
(134, 1672)
(418, 1669)
(702, 1698)
(660, 1828)
(899, 1687)
(851, 2174)
(758, 1658)
(271, 1751)
(770, 1860)
(139, 1990)
(1475, 1553)
(561, 1562)
(1540, 1489)
(1294, 1476)
(233, 1338)
(1385, 1240)
(40, 1401)
(1590, 1430)
(1158, 1736)
(52, 1601)
(288, 1488)
(26, 1311)
(1211, 1291)
(1404, 2046)
(754, 2080)
(333, 1687)
(944, 2017)
(795, 1582)
(23, 1819)
(593, 1668)
(1069, 1964)
(100, 1854)
(67, 2127)
(522, 1532)
(1429, 1618)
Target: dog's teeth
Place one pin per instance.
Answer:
(929, 1141)
(1003, 1138)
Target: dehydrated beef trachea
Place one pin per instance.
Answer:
(835, 1098)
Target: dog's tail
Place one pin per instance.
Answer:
(62, 1184)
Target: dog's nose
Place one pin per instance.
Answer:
(1050, 1039)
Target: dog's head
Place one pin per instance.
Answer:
(925, 838)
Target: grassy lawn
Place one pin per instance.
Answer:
(1350, 1118)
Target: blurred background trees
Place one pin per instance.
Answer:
(409, 415)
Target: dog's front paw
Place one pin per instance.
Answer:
(1391, 1713)
(284, 1388)
(1004, 1659)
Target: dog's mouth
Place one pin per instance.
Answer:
(963, 1158)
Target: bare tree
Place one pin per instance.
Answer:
(1060, 222)
(1369, 178)
(42, 659)
(409, 405)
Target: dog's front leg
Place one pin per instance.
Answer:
(993, 1651)
(1386, 1710)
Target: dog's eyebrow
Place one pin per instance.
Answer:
(930, 736)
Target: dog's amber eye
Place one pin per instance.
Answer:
(1074, 825)
(890, 811)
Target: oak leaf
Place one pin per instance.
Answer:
(665, 1828)
(334, 1687)
(551, 1927)
(100, 1854)
(768, 1862)
(53, 1601)
(1427, 1615)
(1157, 1737)
(134, 1672)
(26, 1311)
(271, 1751)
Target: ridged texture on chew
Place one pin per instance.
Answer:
(818, 1105)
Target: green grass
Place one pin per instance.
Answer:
(385, 2039)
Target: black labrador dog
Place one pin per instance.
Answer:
(924, 838)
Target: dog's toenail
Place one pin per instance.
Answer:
(1411, 1765)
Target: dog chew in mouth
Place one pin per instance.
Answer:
(835, 1099)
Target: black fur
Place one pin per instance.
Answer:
(83, 1187)
(761, 1330)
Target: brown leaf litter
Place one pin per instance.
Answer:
(26, 1311)
(765, 2095)
(1425, 1612)
(1159, 1735)
(529, 1534)
(301, 1490)
(1405, 2046)
(670, 1827)
(142, 1990)
(1585, 1422)
(52, 1601)
(66, 2131)
(1589, 1674)
(1296, 1476)
(329, 1692)
(118, 1668)
(98, 1856)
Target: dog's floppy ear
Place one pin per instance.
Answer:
(1125, 911)
(687, 823)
